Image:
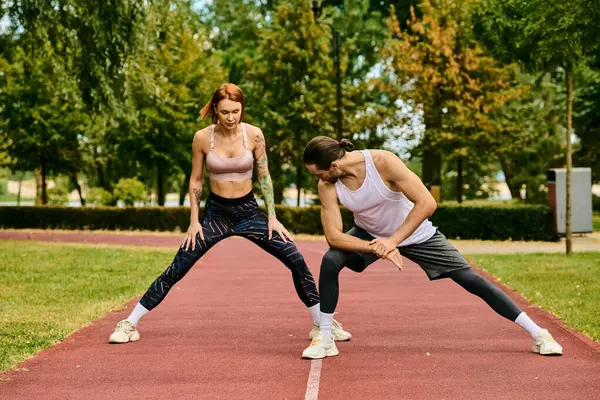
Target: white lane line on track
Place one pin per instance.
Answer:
(314, 377)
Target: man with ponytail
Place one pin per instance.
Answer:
(391, 207)
(229, 147)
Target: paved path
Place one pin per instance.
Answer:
(589, 242)
(234, 329)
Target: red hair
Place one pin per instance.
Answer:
(226, 91)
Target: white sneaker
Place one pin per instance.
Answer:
(320, 348)
(545, 344)
(338, 333)
(124, 332)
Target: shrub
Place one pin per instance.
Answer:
(130, 191)
(522, 222)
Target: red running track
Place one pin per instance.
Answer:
(234, 329)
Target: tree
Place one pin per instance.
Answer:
(586, 118)
(175, 78)
(291, 92)
(441, 69)
(236, 27)
(42, 115)
(547, 36)
(530, 140)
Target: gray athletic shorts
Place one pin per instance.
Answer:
(436, 256)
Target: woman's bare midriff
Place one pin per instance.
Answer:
(231, 189)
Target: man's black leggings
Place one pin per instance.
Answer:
(437, 257)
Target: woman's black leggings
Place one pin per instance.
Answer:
(228, 217)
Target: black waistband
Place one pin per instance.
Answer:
(230, 202)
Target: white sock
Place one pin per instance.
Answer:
(326, 322)
(138, 312)
(314, 312)
(526, 323)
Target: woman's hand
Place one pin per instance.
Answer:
(190, 237)
(276, 226)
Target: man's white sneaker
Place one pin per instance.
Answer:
(338, 333)
(124, 332)
(320, 348)
(545, 344)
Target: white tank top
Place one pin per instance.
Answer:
(379, 210)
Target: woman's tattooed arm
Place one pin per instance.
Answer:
(262, 167)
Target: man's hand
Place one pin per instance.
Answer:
(395, 258)
(383, 246)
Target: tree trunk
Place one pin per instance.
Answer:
(432, 158)
(160, 185)
(459, 180)
(508, 177)
(38, 187)
(78, 187)
(299, 168)
(278, 191)
(101, 177)
(432, 171)
(19, 191)
(569, 157)
(44, 174)
(183, 190)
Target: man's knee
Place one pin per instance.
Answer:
(333, 262)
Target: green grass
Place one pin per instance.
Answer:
(484, 203)
(6, 197)
(50, 290)
(596, 219)
(567, 286)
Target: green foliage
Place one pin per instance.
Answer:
(596, 203)
(496, 223)
(3, 187)
(541, 35)
(551, 37)
(42, 116)
(586, 118)
(58, 196)
(532, 136)
(130, 191)
(177, 74)
(291, 93)
(477, 180)
(440, 67)
(99, 196)
(503, 222)
(236, 26)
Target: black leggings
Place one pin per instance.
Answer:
(335, 260)
(228, 217)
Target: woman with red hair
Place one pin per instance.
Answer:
(229, 147)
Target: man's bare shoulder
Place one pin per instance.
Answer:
(389, 165)
(326, 188)
(383, 158)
